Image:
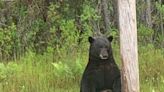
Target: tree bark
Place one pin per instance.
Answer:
(128, 42)
(161, 18)
(105, 15)
(148, 14)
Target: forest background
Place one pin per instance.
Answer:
(44, 43)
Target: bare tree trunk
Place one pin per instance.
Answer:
(162, 24)
(161, 15)
(128, 42)
(95, 28)
(105, 15)
(115, 13)
(148, 14)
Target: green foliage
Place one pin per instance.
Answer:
(6, 71)
(63, 31)
(62, 70)
(151, 74)
(145, 31)
(160, 7)
(89, 13)
(41, 51)
(69, 34)
(2, 72)
(88, 16)
(8, 40)
(145, 34)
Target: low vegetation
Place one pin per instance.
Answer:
(40, 73)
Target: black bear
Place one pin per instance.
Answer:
(101, 73)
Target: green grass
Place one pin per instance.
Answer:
(53, 73)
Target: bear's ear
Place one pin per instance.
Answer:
(91, 39)
(110, 38)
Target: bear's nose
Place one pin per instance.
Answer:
(105, 56)
(104, 53)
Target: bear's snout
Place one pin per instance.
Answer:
(104, 53)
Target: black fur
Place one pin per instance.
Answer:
(101, 72)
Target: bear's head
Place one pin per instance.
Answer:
(100, 47)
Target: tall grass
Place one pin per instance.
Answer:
(62, 72)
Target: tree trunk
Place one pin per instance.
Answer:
(115, 13)
(105, 15)
(128, 42)
(148, 14)
(161, 24)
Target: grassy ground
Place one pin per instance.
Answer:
(44, 73)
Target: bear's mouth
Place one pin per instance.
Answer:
(103, 56)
